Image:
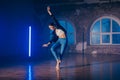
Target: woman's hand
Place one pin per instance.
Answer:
(45, 45)
(48, 10)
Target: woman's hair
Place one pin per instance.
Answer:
(52, 24)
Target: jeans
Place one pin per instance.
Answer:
(61, 43)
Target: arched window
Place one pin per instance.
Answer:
(70, 31)
(105, 31)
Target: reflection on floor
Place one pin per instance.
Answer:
(74, 67)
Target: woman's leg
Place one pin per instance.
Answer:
(55, 55)
(53, 51)
(63, 46)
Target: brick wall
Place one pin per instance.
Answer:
(82, 17)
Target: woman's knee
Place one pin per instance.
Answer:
(52, 49)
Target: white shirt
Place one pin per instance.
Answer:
(59, 32)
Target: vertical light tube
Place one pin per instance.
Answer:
(29, 41)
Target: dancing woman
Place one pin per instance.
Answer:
(60, 43)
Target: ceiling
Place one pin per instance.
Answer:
(73, 1)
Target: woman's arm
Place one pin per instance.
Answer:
(48, 10)
(56, 21)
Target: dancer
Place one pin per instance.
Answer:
(60, 43)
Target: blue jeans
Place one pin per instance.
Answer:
(61, 43)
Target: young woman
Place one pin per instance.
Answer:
(60, 43)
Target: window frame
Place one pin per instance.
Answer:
(104, 33)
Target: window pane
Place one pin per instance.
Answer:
(63, 23)
(96, 27)
(70, 31)
(95, 39)
(69, 27)
(105, 25)
(116, 38)
(115, 26)
(105, 38)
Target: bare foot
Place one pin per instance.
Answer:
(59, 61)
(58, 65)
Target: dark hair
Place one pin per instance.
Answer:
(52, 24)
